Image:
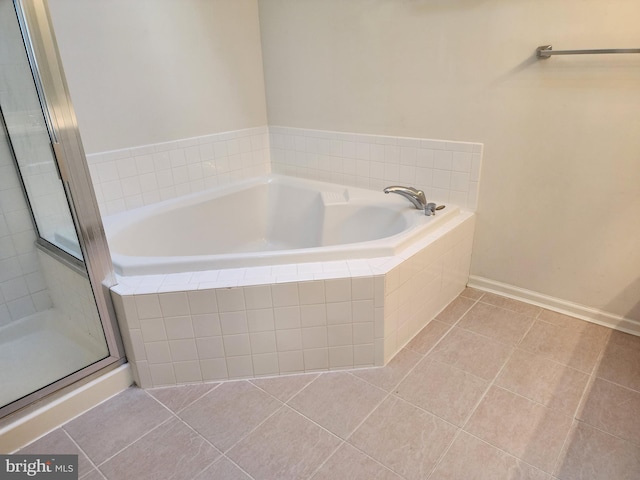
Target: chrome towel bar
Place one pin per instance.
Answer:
(545, 51)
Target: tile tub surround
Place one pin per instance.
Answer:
(447, 171)
(265, 321)
(531, 416)
(133, 177)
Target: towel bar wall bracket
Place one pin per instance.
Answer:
(546, 51)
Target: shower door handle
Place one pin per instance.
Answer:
(63, 172)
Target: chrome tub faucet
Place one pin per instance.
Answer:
(415, 196)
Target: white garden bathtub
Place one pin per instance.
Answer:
(267, 220)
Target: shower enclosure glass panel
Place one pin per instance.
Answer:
(51, 330)
(28, 126)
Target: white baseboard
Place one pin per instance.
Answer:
(30, 426)
(557, 305)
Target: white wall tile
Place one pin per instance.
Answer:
(265, 364)
(363, 355)
(187, 372)
(311, 292)
(162, 374)
(314, 337)
(258, 297)
(288, 340)
(234, 323)
(158, 352)
(263, 342)
(183, 350)
(338, 290)
(213, 369)
(285, 294)
(341, 356)
(338, 335)
(235, 345)
(210, 347)
(287, 317)
(206, 325)
(339, 313)
(291, 362)
(260, 320)
(313, 315)
(202, 302)
(240, 367)
(316, 359)
(178, 327)
(230, 299)
(174, 304)
(153, 329)
(362, 311)
(148, 306)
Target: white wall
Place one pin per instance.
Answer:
(560, 190)
(149, 71)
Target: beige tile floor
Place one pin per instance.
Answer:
(491, 389)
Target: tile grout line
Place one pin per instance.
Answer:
(345, 440)
(472, 412)
(172, 415)
(592, 378)
(222, 454)
(175, 415)
(583, 397)
(95, 467)
(390, 393)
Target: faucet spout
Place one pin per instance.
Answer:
(415, 196)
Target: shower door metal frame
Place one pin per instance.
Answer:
(44, 59)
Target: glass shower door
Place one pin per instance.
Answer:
(53, 304)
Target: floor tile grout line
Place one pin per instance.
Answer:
(283, 407)
(371, 458)
(215, 386)
(470, 415)
(511, 310)
(179, 419)
(79, 448)
(222, 455)
(343, 440)
(428, 352)
(604, 379)
(355, 428)
(390, 393)
(296, 392)
(601, 430)
(322, 464)
(506, 453)
(451, 326)
(134, 441)
(592, 378)
(236, 464)
(68, 421)
(224, 452)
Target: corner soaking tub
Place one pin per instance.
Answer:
(381, 271)
(268, 220)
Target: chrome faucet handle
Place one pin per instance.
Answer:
(417, 197)
(430, 209)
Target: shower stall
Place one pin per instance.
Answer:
(56, 318)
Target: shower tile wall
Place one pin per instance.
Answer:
(23, 290)
(133, 177)
(447, 171)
